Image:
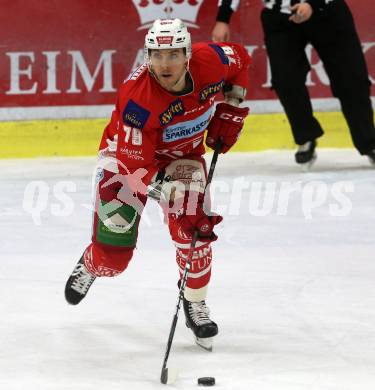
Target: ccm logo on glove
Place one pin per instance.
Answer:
(238, 119)
(225, 125)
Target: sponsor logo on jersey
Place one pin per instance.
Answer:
(176, 150)
(187, 129)
(195, 109)
(175, 108)
(212, 89)
(132, 154)
(220, 52)
(135, 115)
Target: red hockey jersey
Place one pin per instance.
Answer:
(154, 126)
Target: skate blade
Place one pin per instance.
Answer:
(306, 167)
(206, 343)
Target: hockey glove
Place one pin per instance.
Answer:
(188, 221)
(226, 124)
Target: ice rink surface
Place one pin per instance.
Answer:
(293, 283)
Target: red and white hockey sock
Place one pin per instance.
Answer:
(200, 271)
(105, 260)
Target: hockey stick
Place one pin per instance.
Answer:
(169, 376)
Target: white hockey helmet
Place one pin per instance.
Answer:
(167, 34)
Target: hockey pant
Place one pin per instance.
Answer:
(116, 220)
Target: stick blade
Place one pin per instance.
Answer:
(168, 376)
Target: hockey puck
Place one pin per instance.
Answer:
(206, 381)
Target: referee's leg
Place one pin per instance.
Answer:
(337, 43)
(285, 45)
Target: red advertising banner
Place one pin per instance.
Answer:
(75, 53)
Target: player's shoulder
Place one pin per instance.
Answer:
(134, 101)
(138, 78)
(209, 53)
(223, 53)
(208, 64)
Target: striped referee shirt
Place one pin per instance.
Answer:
(227, 7)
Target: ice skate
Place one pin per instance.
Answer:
(306, 155)
(78, 283)
(197, 316)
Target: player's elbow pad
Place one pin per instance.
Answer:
(234, 94)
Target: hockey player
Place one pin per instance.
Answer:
(153, 147)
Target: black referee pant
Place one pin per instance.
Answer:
(333, 35)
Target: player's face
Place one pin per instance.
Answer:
(169, 66)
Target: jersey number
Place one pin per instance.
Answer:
(134, 133)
